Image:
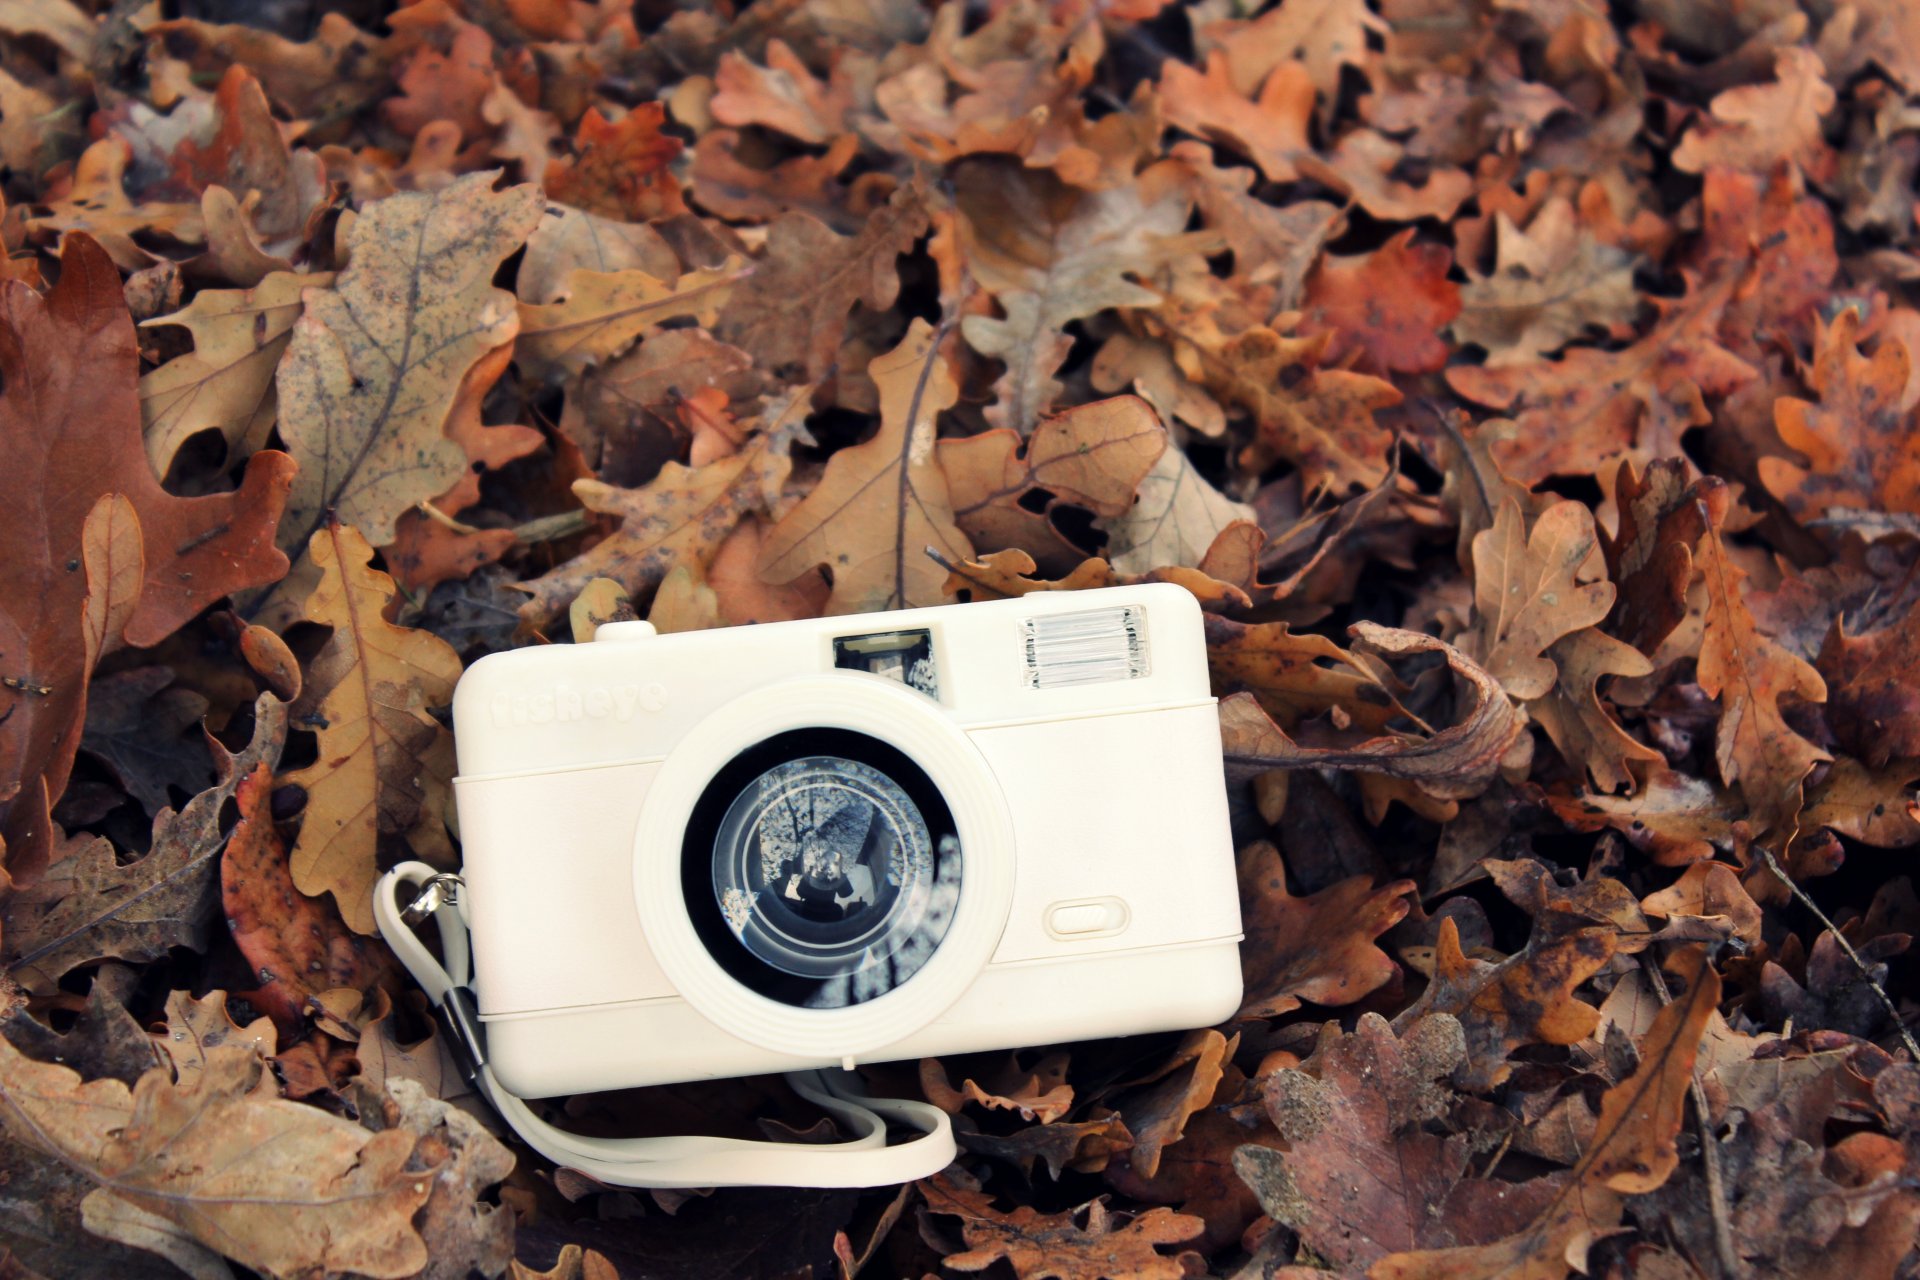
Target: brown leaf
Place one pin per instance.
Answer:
(600, 313)
(1361, 1177)
(1674, 816)
(1662, 516)
(783, 95)
(1051, 255)
(1527, 592)
(298, 946)
(285, 1189)
(376, 362)
(621, 169)
(385, 763)
(1575, 713)
(1755, 748)
(681, 518)
(1175, 520)
(1055, 1246)
(1389, 306)
(68, 420)
(883, 502)
(1270, 130)
(792, 313)
(1525, 999)
(1319, 948)
(1455, 763)
(1756, 127)
(1862, 445)
(89, 905)
(1549, 285)
(1632, 1150)
(1093, 455)
(1157, 1114)
(463, 1233)
(1039, 1092)
(195, 1028)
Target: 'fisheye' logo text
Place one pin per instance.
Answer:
(564, 702)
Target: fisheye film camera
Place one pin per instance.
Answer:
(841, 840)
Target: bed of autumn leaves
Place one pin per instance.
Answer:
(1527, 389)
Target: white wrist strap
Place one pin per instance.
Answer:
(865, 1160)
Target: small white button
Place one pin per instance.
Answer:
(629, 630)
(1088, 917)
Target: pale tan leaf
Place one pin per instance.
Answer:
(1175, 521)
(602, 312)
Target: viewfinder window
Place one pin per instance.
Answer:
(906, 656)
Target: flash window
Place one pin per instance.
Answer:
(906, 656)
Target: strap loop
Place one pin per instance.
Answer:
(864, 1160)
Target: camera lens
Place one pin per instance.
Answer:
(831, 873)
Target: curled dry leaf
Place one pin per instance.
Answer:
(286, 1189)
(386, 765)
(375, 362)
(1455, 763)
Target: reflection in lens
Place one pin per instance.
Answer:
(824, 869)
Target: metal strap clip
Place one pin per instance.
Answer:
(442, 890)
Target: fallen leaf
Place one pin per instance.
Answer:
(1319, 948)
(279, 1187)
(1389, 306)
(385, 763)
(884, 501)
(621, 168)
(1527, 593)
(1551, 283)
(1270, 130)
(601, 313)
(1755, 127)
(1039, 1092)
(1455, 763)
(1055, 1246)
(298, 946)
(89, 905)
(783, 95)
(1173, 521)
(375, 362)
(195, 1028)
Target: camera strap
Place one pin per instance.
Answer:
(864, 1160)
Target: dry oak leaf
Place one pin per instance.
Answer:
(1085, 1146)
(1632, 1151)
(1581, 411)
(1388, 305)
(1272, 245)
(1874, 806)
(69, 436)
(1525, 999)
(1549, 284)
(285, 1189)
(680, 518)
(1754, 746)
(1885, 33)
(1527, 593)
(463, 1232)
(225, 383)
(1862, 447)
(1146, 367)
(1173, 1093)
(1663, 514)
(1456, 763)
(1039, 1092)
(370, 377)
(600, 313)
(1361, 168)
(792, 312)
(1173, 522)
(450, 86)
(197, 1027)
(1757, 127)
(247, 156)
(569, 239)
(1270, 130)
(621, 169)
(882, 503)
(1321, 420)
(1674, 817)
(1094, 456)
(1051, 254)
(1362, 1177)
(1876, 706)
(1321, 35)
(1788, 238)
(784, 95)
(385, 763)
(1320, 948)
(730, 188)
(1055, 1246)
(1575, 714)
(90, 905)
(1709, 890)
(96, 204)
(297, 946)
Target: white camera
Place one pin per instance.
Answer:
(844, 840)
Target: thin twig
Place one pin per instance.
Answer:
(1709, 1153)
(1899, 1024)
(552, 528)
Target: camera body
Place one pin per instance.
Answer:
(841, 840)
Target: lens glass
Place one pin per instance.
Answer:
(832, 872)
